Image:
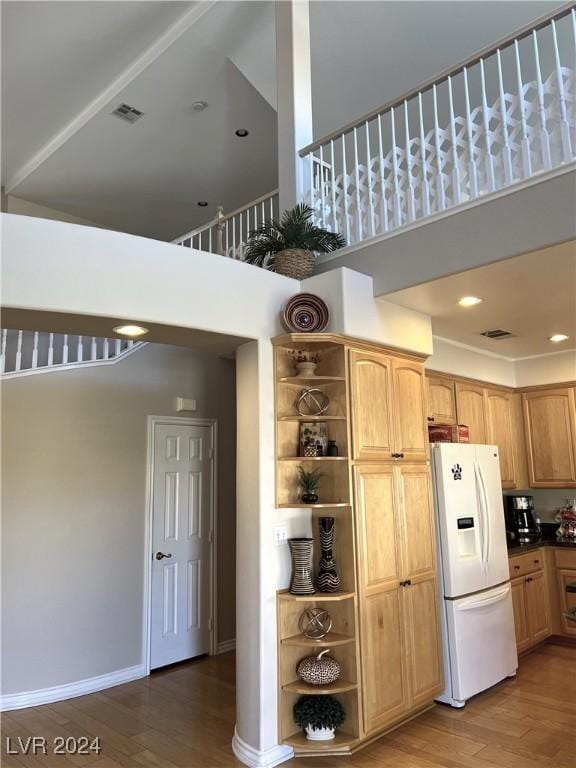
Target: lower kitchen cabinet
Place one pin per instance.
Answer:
(530, 600)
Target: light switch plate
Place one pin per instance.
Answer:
(280, 534)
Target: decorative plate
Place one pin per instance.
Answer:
(305, 312)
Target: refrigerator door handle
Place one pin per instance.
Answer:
(481, 516)
(494, 598)
(488, 521)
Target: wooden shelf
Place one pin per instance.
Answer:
(302, 745)
(313, 458)
(313, 379)
(316, 597)
(332, 640)
(314, 506)
(312, 418)
(299, 686)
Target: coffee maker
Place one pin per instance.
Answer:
(521, 525)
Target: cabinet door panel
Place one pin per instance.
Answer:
(385, 683)
(471, 410)
(441, 400)
(371, 400)
(378, 526)
(409, 398)
(500, 433)
(520, 614)
(537, 600)
(423, 633)
(567, 600)
(417, 514)
(550, 417)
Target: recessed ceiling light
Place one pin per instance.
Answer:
(199, 106)
(202, 203)
(241, 133)
(556, 338)
(130, 330)
(470, 301)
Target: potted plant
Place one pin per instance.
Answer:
(289, 247)
(319, 716)
(305, 361)
(309, 482)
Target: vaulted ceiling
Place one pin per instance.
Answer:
(67, 65)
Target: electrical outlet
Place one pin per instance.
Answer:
(280, 534)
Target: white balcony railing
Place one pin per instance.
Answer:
(227, 234)
(500, 118)
(28, 352)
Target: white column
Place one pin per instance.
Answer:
(294, 97)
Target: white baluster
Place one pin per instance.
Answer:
(411, 201)
(544, 136)
(369, 182)
(117, 347)
(106, 351)
(80, 350)
(456, 197)
(425, 184)
(233, 224)
(333, 187)
(441, 203)
(263, 211)
(93, 349)
(272, 208)
(255, 214)
(312, 183)
(3, 350)
(226, 252)
(525, 143)
(240, 240)
(359, 233)
(382, 176)
(472, 170)
(397, 200)
(322, 192)
(487, 131)
(50, 359)
(564, 126)
(210, 238)
(35, 351)
(508, 171)
(65, 349)
(18, 365)
(131, 344)
(345, 189)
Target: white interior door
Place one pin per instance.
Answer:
(182, 515)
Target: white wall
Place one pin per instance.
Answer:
(22, 207)
(548, 369)
(460, 360)
(73, 510)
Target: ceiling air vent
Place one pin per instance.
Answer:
(497, 333)
(128, 113)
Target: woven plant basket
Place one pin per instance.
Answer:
(294, 262)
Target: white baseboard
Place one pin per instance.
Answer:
(71, 690)
(226, 645)
(255, 758)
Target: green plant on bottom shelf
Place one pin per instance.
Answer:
(318, 712)
(310, 481)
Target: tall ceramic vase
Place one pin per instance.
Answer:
(328, 579)
(301, 582)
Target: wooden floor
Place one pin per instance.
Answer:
(184, 717)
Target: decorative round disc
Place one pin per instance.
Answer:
(312, 402)
(315, 623)
(305, 312)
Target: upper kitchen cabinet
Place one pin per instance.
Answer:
(388, 401)
(500, 432)
(471, 410)
(550, 422)
(441, 400)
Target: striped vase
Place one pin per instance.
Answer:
(301, 582)
(328, 579)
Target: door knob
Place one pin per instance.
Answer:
(161, 555)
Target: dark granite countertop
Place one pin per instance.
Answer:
(518, 549)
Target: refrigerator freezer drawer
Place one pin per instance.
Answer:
(481, 642)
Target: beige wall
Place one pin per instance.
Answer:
(73, 509)
(11, 204)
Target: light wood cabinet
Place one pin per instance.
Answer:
(530, 600)
(388, 403)
(567, 600)
(441, 400)
(500, 432)
(550, 421)
(398, 591)
(471, 411)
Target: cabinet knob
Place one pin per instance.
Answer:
(529, 578)
(536, 562)
(406, 583)
(397, 455)
(430, 418)
(516, 567)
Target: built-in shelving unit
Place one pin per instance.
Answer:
(335, 501)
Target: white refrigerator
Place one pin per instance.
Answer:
(477, 616)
